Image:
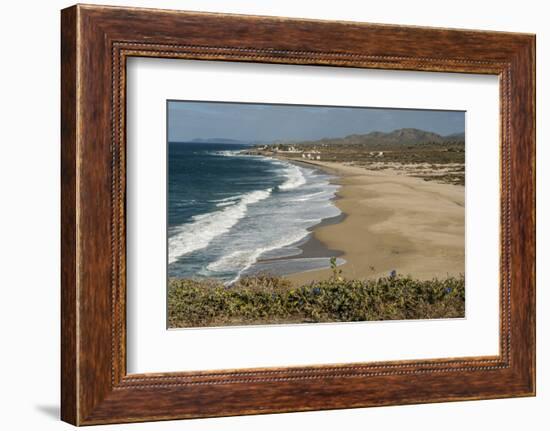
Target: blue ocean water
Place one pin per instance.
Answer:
(229, 213)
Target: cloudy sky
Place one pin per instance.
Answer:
(268, 122)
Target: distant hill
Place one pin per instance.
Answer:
(218, 141)
(406, 136)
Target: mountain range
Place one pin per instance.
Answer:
(219, 141)
(397, 137)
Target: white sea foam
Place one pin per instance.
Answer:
(325, 194)
(226, 201)
(264, 238)
(294, 178)
(230, 198)
(204, 228)
(244, 259)
(225, 204)
(228, 153)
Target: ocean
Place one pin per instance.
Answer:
(231, 214)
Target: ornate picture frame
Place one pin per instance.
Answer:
(96, 41)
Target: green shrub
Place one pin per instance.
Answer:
(264, 299)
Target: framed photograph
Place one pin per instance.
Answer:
(272, 225)
(264, 214)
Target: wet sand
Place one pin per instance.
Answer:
(392, 222)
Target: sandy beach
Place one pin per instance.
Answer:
(392, 222)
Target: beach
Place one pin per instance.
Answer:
(392, 222)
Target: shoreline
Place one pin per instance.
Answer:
(311, 248)
(389, 224)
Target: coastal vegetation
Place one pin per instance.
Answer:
(265, 299)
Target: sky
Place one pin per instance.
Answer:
(269, 122)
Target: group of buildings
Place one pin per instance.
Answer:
(292, 150)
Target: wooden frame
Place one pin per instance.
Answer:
(96, 41)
